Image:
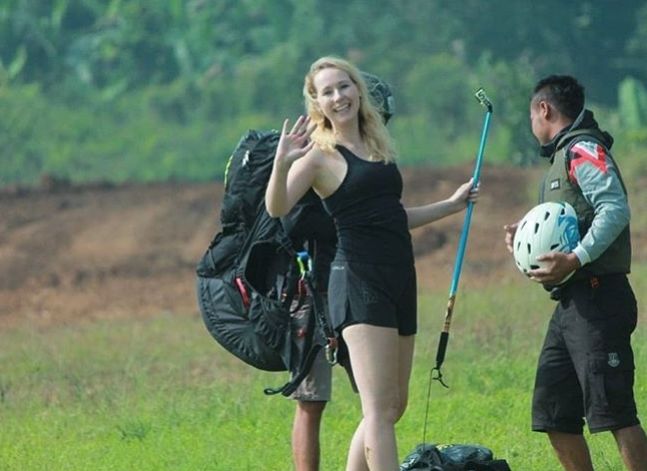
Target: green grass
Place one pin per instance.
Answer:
(159, 394)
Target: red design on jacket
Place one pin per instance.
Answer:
(587, 152)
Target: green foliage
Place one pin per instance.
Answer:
(138, 137)
(149, 91)
(437, 88)
(632, 104)
(630, 147)
(637, 44)
(510, 86)
(23, 111)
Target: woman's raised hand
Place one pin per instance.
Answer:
(296, 143)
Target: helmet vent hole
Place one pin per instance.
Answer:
(546, 215)
(529, 248)
(534, 267)
(536, 227)
(554, 246)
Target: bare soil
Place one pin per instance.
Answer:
(101, 251)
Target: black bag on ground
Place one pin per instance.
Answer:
(454, 457)
(248, 280)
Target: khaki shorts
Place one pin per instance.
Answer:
(317, 385)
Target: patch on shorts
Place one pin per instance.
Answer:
(613, 359)
(368, 295)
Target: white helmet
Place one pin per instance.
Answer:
(548, 227)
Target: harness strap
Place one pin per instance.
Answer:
(307, 277)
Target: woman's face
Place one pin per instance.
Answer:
(337, 95)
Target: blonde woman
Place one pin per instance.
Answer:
(343, 151)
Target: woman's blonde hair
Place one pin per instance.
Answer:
(371, 123)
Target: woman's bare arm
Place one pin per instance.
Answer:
(421, 215)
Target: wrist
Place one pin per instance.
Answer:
(457, 205)
(574, 261)
(281, 166)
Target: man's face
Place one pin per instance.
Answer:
(539, 110)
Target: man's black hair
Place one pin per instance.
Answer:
(563, 92)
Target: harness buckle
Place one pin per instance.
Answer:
(305, 263)
(331, 350)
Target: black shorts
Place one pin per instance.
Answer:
(375, 294)
(586, 366)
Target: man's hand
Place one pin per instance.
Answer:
(557, 265)
(510, 231)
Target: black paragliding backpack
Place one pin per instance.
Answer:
(255, 270)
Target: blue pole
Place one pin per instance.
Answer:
(462, 243)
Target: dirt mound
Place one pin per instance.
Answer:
(93, 251)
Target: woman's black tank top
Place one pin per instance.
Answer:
(370, 219)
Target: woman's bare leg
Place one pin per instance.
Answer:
(381, 361)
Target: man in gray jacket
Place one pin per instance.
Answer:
(586, 366)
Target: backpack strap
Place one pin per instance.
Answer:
(332, 345)
(291, 386)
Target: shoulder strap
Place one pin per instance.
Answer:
(346, 153)
(325, 328)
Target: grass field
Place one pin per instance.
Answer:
(159, 394)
